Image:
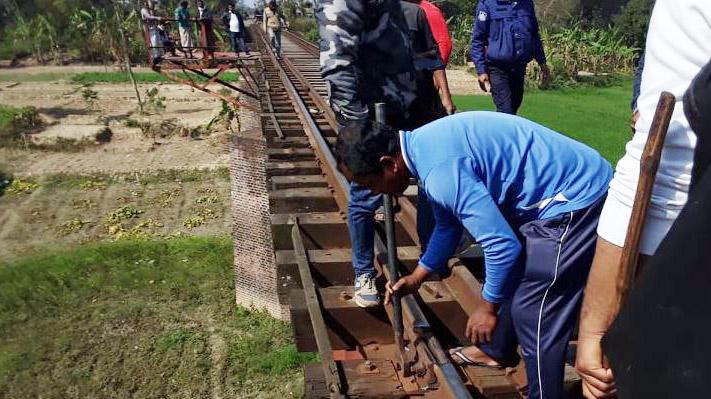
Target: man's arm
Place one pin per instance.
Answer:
(439, 74)
(340, 25)
(454, 186)
(480, 37)
(538, 51)
(601, 304)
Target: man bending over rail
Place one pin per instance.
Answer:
(530, 196)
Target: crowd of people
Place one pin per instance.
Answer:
(162, 43)
(550, 214)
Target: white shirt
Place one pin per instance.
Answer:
(678, 45)
(234, 22)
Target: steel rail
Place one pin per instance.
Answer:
(330, 369)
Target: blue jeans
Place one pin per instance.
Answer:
(238, 42)
(361, 227)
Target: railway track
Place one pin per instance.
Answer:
(308, 202)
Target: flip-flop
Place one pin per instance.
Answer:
(460, 359)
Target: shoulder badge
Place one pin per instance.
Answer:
(482, 16)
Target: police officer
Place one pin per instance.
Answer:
(505, 38)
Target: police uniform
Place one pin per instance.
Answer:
(505, 39)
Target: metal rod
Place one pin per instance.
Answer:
(393, 272)
(313, 303)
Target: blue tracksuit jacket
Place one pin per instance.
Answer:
(490, 173)
(505, 34)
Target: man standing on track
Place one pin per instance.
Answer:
(530, 196)
(273, 22)
(366, 57)
(234, 25)
(505, 38)
(182, 16)
(152, 21)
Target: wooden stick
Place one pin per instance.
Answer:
(649, 163)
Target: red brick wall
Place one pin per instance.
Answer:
(254, 261)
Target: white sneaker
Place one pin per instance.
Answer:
(365, 293)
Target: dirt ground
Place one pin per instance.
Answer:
(67, 207)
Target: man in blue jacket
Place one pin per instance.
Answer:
(505, 38)
(530, 196)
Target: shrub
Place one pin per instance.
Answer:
(598, 51)
(633, 21)
(14, 122)
(460, 28)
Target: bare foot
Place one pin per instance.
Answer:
(471, 355)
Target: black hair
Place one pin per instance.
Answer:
(361, 144)
(183, 3)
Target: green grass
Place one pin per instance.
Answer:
(14, 121)
(146, 317)
(141, 77)
(35, 77)
(598, 117)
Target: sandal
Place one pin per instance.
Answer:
(460, 359)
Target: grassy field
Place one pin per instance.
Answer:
(142, 319)
(598, 117)
(141, 77)
(101, 77)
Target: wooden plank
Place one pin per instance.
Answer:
(321, 230)
(331, 267)
(281, 182)
(292, 168)
(313, 304)
(381, 382)
(349, 326)
(302, 200)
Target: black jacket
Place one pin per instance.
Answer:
(226, 22)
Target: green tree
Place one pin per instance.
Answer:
(633, 21)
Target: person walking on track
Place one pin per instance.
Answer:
(274, 21)
(182, 16)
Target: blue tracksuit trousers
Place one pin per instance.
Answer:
(543, 311)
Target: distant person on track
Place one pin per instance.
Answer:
(234, 25)
(273, 22)
(366, 58)
(205, 16)
(530, 196)
(152, 21)
(182, 16)
(505, 38)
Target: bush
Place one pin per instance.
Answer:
(633, 21)
(14, 122)
(597, 51)
(460, 28)
(303, 25)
